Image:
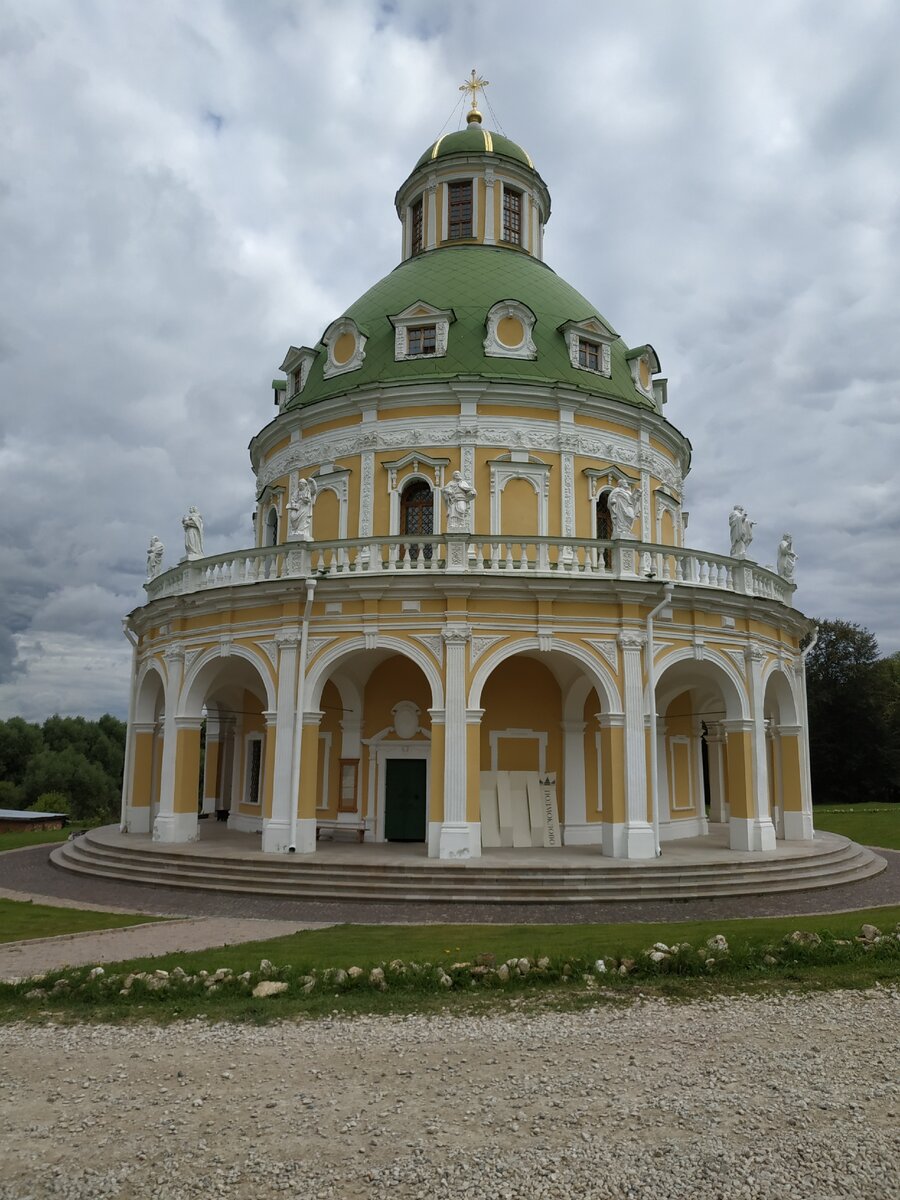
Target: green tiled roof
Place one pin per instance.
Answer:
(470, 280)
(475, 139)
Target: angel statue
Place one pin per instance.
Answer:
(192, 524)
(787, 558)
(459, 496)
(155, 552)
(623, 502)
(300, 510)
(741, 528)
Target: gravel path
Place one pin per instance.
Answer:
(779, 1098)
(29, 872)
(19, 959)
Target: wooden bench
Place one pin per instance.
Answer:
(357, 827)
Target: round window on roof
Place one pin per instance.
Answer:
(343, 348)
(644, 372)
(509, 327)
(345, 344)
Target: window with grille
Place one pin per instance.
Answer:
(460, 210)
(417, 516)
(418, 231)
(421, 339)
(512, 216)
(589, 355)
(254, 769)
(604, 525)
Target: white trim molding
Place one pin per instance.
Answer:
(520, 465)
(599, 334)
(335, 331)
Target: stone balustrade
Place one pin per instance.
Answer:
(535, 557)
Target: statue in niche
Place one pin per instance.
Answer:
(623, 503)
(787, 558)
(459, 495)
(300, 510)
(741, 528)
(155, 552)
(192, 523)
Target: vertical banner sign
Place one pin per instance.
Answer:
(551, 813)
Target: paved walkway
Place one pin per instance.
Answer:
(29, 873)
(21, 959)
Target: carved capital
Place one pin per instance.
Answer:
(287, 638)
(631, 640)
(174, 654)
(456, 635)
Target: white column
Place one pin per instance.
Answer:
(137, 820)
(431, 221)
(715, 745)
(456, 839)
(638, 841)
(761, 831)
(489, 235)
(276, 836)
(806, 830)
(213, 731)
(797, 826)
(576, 830)
(165, 823)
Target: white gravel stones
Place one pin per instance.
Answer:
(751, 1099)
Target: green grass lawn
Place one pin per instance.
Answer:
(32, 837)
(868, 824)
(19, 920)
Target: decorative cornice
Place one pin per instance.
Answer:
(429, 432)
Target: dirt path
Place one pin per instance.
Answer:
(19, 959)
(791, 1098)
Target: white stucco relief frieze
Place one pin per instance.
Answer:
(539, 436)
(480, 644)
(434, 643)
(315, 644)
(607, 648)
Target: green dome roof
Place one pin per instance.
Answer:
(475, 139)
(470, 280)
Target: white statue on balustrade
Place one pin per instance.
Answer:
(741, 529)
(300, 510)
(787, 558)
(459, 496)
(192, 523)
(155, 552)
(623, 502)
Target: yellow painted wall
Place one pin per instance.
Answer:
(326, 516)
(738, 762)
(142, 773)
(273, 450)
(187, 770)
(397, 678)
(331, 706)
(268, 765)
(609, 426)
(591, 776)
(420, 410)
(336, 423)
(612, 766)
(790, 773)
(522, 694)
(519, 513)
(309, 773)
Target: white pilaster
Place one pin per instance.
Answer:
(456, 834)
(171, 826)
(763, 833)
(574, 801)
(137, 820)
(489, 235)
(715, 746)
(276, 836)
(174, 659)
(431, 192)
(639, 841)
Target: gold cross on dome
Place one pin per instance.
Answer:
(473, 86)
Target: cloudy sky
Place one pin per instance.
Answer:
(186, 188)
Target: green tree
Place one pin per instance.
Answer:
(92, 795)
(19, 741)
(849, 756)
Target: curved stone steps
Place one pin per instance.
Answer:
(838, 861)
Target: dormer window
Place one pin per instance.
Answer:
(459, 222)
(417, 227)
(644, 365)
(510, 325)
(590, 345)
(512, 216)
(296, 366)
(421, 331)
(421, 339)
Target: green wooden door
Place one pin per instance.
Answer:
(404, 800)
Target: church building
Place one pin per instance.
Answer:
(470, 618)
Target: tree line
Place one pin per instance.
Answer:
(73, 765)
(68, 764)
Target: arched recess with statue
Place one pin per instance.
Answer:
(371, 758)
(544, 728)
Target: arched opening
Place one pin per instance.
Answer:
(703, 750)
(272, 527)
(145, 765)
(417, 516)
(327, 516)
(790, 808)
(604, 525)
(372, 771)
